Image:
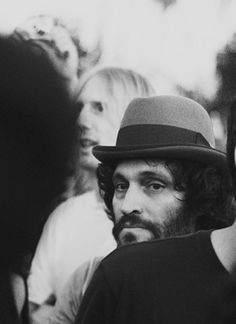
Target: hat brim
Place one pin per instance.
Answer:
(111, 154)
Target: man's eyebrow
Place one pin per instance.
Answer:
(117, 176)
(161, 174)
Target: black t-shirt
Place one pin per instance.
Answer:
(178, 280)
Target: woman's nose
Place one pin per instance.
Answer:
(85, 117)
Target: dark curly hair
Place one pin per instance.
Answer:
(209, 201)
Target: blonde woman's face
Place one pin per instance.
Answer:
(96, 125)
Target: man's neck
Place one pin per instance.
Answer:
(224, 244)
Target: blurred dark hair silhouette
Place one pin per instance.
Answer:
(37, 135)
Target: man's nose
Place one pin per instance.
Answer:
(132, 202)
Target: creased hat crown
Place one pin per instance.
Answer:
(164, 127)
(173, 111)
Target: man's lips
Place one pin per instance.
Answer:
(132, 226)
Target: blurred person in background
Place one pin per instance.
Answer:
(37, 134)
(62, 45)
(152, 185)
(79, 228)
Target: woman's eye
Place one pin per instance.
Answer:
(99, 106)
(78, 106)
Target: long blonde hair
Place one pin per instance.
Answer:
(122, 85)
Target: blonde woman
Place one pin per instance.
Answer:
(102, 100)
(79, 228)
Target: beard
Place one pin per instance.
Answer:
(179, 222)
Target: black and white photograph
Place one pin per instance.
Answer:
(118, 137)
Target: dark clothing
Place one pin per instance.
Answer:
(9, 313)
(178, 280)
(25, 310)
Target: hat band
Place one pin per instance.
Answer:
(149, 134)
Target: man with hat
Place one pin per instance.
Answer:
(163, 178)
(188, 279)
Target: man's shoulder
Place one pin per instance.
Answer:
(154, 253)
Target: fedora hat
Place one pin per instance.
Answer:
(164, 127)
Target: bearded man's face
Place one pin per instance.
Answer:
(146, 204)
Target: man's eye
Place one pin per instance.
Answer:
(155, 186)
(120, 187)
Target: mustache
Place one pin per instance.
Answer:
(134, 220)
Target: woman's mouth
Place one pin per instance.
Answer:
(87, 143)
